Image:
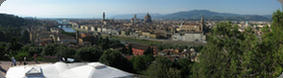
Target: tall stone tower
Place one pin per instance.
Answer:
(202, 24)
(147, 18)
(134, 19)
(103, 16)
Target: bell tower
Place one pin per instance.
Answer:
(103, 18)
(202, 24)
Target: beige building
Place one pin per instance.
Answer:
(193, 28)
(189, 28)
(148, 35)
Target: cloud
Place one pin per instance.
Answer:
(281, 1)
(1, 1)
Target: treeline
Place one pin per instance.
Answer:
(14, 34)
(15, 21)
(11, 41)
(233, 54)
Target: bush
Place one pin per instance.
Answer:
(65, 52)
(162, 67)
(140, 63)
(115, 59)
(89, 54)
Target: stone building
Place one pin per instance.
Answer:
(191, 27)
(190, 32)
(134, 20)
(147, 18)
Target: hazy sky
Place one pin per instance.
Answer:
(94, 8)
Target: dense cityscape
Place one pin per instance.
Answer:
(185, 44)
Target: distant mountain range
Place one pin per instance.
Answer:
(196, 15)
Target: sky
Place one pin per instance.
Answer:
(94, 8)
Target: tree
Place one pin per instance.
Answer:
(265, 60)
(222, 55)
(14, 46)
(149, 51)
(89, 54)
(21, 54)
(127, 50)
(25, 37)
(140, 63)
(92, 39)
(185, 67)
(162, 67)
(115, 59)
(130, 50)
(3, 51)
(233, 54)
(63, 51)
(270, 50)
(105, 43)
(50, 50)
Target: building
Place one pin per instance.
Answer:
(137, 52)
(103, 18)
(67, 70)
(191, 32)
(190, 37)
(134, 20)
(138, 49)
(192, 27)
(147, 18)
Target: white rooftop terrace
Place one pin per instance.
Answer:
(67, 70)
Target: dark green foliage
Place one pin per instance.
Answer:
(3, 51)
(25, 37)
(127, 50)
(148, 51)
(233, 54)
(21, 54)
(130, 50)
(104, 43)
(185, 66)
(265, 60)
(10, 20)
(89, 54)
(140, 63)
(162, 67)
(65, 52)
(31, 50)
(92, 39)
(124, 50)
(115, 59)
(223, 55)
(49, 50)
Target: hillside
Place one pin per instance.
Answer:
(11, 20)
(196, 14)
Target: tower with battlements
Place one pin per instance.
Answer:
(103, 18)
